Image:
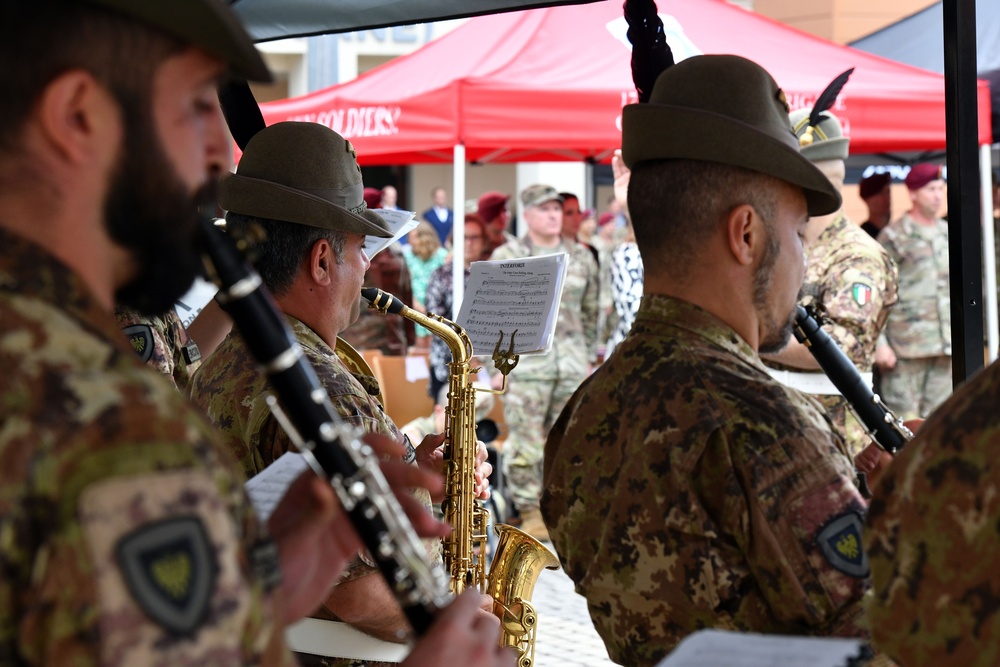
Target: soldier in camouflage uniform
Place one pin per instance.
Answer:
(933, 536)
(126, 537)
(541, 384)
(163, 343)
(684, 487)
(915, 354)
(313, 262)
(848, 274)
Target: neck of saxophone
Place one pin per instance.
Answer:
(452, 334)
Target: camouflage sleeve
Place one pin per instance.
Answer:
(148, 338)
(799, 527)
(590, 308)
(146, 543)
(857, 304)
(933, 531)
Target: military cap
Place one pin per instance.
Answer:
(536, 195)
(825, 141)
(922, 174)
(726, 109)
(304, 173)
(207, 24)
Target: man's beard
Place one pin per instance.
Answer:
(777, 334)
(151, 214)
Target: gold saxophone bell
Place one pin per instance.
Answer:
(519, 557)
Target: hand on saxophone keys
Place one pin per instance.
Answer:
(430, 456)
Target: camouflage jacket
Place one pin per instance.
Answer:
(852, 277)
(684, 488)
(125, 534)
(920, 324)
(933, 537)
(575, 341)
(231, 390)
(163, 343)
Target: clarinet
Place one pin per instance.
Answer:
(332, 449)
(884, 427)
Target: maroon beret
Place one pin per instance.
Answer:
(922, 174)
(373, 197)
(872, 185)
(490, 205)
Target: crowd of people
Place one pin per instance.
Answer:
(699, 472)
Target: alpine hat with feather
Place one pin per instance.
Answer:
(304, 173)
(726, 109)
(819, 132)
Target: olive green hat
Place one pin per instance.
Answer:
(723, 109)
(303, 173)
(207, 24)
(826, 141)
(538, 194)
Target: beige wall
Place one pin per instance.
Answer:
(841, 21)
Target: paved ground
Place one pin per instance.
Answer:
(565, 635)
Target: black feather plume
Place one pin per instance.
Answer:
(241, 111)
(650, 52)
(828, 97)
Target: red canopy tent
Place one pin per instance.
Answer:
(549, 84)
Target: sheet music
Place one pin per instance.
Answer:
(711, 648)
(267, 488)
(511, 295)
(401, 223)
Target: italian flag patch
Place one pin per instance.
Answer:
(862, 293)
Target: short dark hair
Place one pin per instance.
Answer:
(676, 204)
(285, 246)
(568, 195)
(42, 39)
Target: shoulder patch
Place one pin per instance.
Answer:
(140, 337)
(840, 542)
(862, 294)
(169, 569)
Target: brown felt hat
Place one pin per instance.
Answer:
(207, 24)
(826, 140)
(303, 173)
(723, 109)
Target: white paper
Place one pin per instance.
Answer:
(196, 298)
(267, 488)
(401, 223)
(712, 648)
(511, 295)
(417, 368)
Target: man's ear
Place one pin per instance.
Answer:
(321, 260)
(77, 116)
(744, 233)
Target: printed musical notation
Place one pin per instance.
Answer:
(519, 295)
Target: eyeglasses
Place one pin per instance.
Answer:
(476, 237)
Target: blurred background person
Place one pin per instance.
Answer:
(387, 271)
(423, 255)
(876, 190)
(492, 210)
(541, 384)
(439, 300)
(388, 199)
(914, 356)
(626, 266)
(439, 215)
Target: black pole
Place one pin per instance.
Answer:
(964, 206)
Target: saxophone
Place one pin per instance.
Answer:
(519, 558)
